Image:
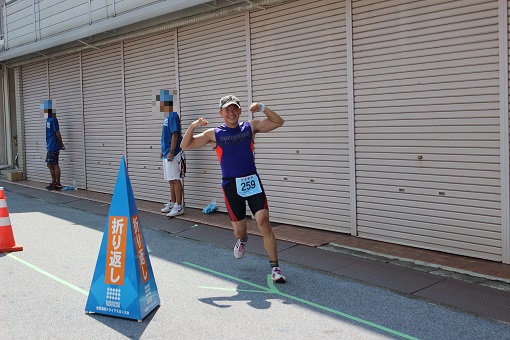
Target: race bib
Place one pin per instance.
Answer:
(248, 186)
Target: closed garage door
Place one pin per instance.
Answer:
(427, 124)
(35, 90)
(65, 90)
(212, 63)
(299, 70)
(145, 72)
(103, 116)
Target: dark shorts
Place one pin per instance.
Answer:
(236, 205)
(52, 157)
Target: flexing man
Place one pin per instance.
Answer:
(234, 145)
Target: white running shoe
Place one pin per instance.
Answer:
(168, 207)
(176, 211)
(277, 276)
(239, 249)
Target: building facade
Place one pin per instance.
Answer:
(396, 111)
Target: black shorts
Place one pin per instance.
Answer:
(236, 205)
(52, 157)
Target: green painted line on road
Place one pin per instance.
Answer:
(225, 275)
(70, 285)
(273, 290)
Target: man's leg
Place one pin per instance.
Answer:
(172, 194)
(171, 201)
(176, 191)
(56, 174)
(56, 170)
(52, 172)
(262, 218)
(241, 233)
(240, 229)
(176, 194)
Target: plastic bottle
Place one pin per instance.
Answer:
(74, 184)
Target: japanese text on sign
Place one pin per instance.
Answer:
(116, 250)
(140, 248)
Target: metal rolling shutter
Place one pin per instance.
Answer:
(65, 90)
(504, 142)
(427, 124)
(145, 72)
(35, 89)
(206, 73)
(3, 122)
(299, 70)
(103, 116)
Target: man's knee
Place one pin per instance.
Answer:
(262, 217)
(240, 228)
(240, 234)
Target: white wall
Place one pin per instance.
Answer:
(28, 21)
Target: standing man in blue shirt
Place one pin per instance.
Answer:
(53, 145)
(171, 153)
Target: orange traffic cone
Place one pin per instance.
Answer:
(7, 243)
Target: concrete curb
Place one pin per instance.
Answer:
(432, 268)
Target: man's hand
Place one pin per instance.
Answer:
(199, 122)
(62, 146)
(268, 123)
(256, 107)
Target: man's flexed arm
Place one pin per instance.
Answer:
(269, 123)
(190, 141)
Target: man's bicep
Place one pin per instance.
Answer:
(263, 125)
(202, 139)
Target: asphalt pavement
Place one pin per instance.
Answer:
(205, 292)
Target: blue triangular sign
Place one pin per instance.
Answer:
(123, 284)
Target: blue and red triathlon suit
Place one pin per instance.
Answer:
(234, 147)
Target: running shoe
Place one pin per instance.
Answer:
(168, 207)
(57, 186)
(50, 186)
(176, 211)
(239, 249)
(277, 276)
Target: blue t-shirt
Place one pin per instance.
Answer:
(52, 143)
(234, 147)
(171, 124)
